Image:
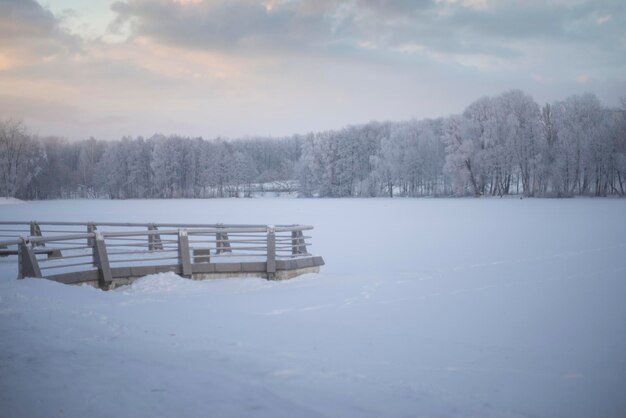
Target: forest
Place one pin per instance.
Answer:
(502, 145)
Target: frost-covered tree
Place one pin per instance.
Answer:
(90, 153)
(21, 159)
(522, 126)
(387, 165)
(579, 120)
(464, 155)
(308, 169)
(618, 133)
(546, 181)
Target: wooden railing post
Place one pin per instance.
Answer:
(184, 259)
(91, 227)
(35, 231)
(222, 242)
(91, 242)
(154, 240)
(101, 260)
(28, 266)
(271, 251)
(297, 243)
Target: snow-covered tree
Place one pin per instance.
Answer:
(21, 159)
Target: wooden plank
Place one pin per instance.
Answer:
(121, 272)
(173, 268)
(318, 261)
(201, 255)
(285, 264)
(298, 263)
(253, 267)
(138, 271)
(200, 268)
(228, 268)
(203, 268)
(304, 262)
(76, 277)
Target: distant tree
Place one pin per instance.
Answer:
(580, 121)
(522, 124)
(308, 170)
(91, 152)
(244, 173)
(21, 159)
(546, 174)
(619, 137)
(387, 165)
(463, 155)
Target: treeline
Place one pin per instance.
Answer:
(500, 145)
(157, 167)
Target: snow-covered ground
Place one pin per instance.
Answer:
(9, 201)
(425, 308)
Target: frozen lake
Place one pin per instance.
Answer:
(425, 307)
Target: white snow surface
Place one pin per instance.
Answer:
(425, 308)
(10, 201)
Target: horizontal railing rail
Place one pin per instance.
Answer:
(187, 249)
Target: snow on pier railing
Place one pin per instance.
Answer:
(111, 254)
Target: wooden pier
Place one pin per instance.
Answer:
(107, 255)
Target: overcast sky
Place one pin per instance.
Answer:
(80, 68)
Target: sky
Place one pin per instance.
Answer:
(234, 68)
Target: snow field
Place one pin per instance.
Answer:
(431, 307)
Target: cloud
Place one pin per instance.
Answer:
(552, 21)
(40, 58)
(300, 25)
(442, 28)
(25, 19)
(224, 24)
(28, 31)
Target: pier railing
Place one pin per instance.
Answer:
(107, 258)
